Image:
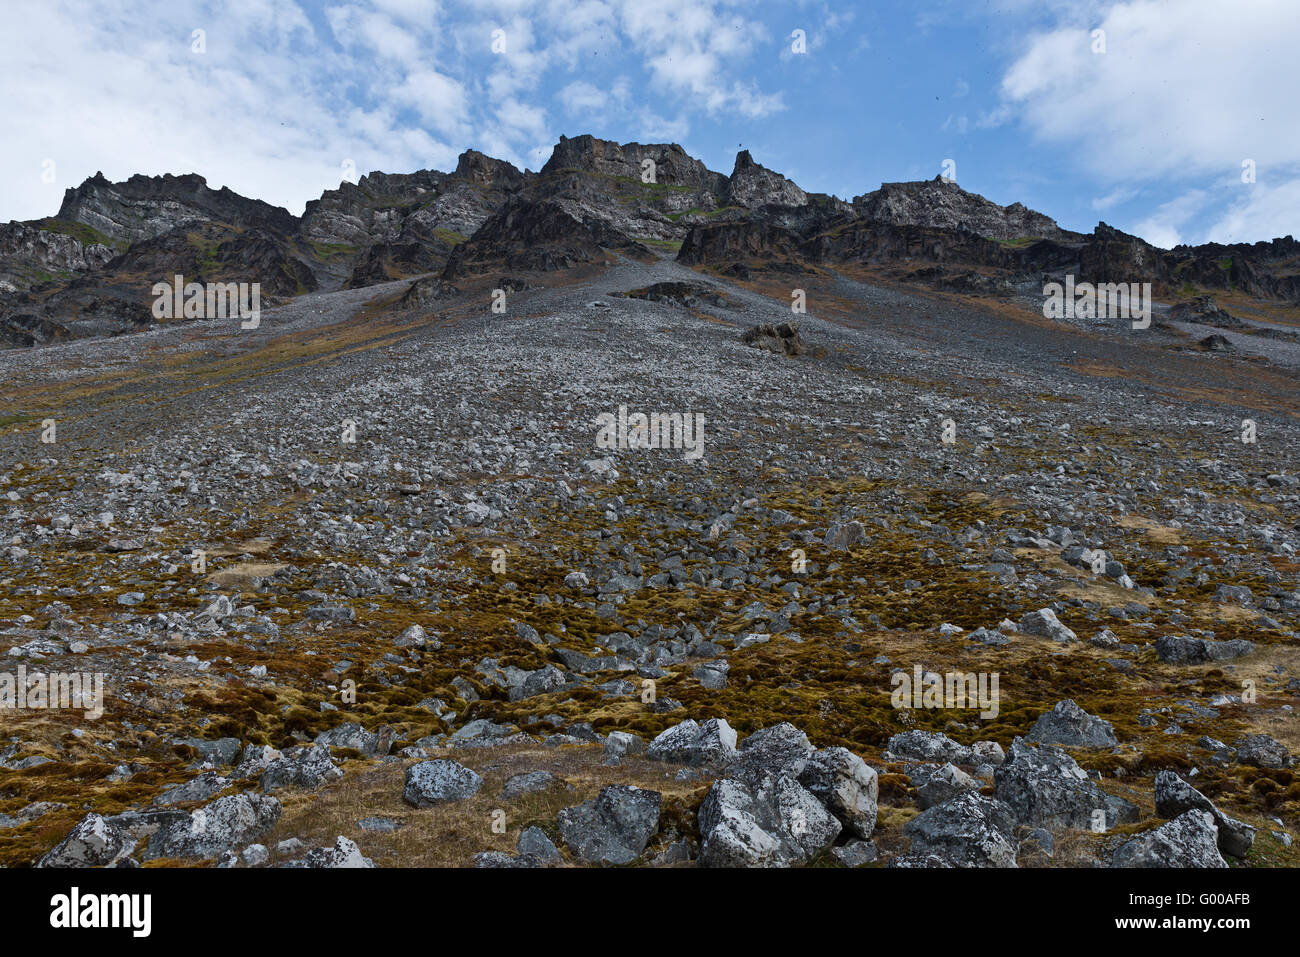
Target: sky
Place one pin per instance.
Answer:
(1179, 121)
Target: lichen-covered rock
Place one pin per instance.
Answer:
(305, 766)
(1263, 751)
(969, 831)
(1186, 650)
(344, 854)
(1069, 725)
(613, 827)
(1189, 840)
(209, 831)
(1046, 788)
(1044, 623)
(710, 742)
(199, 788)
(776, 823)
(1175, 796)
(845, 785)
(352, 735)
(94, 842)
(439, 782)
(930, 746)
(778, 749)
(944, 784)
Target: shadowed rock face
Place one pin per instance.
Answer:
(534, 236)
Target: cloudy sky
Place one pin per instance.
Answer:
(280, 99)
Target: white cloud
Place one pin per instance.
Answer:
(1267, 212)
(1163, 227)
(1182, 87)
(688, 45)
(583, 97)
(1183, 93)
(439, 100)
(280, 100)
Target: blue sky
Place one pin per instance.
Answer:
(282, 99)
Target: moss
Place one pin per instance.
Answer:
(86, 235)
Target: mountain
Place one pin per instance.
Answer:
(89, 269)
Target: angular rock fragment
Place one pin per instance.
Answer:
(777, 823)
(439, 782)
(613, 827)
(1189, 840)
(969, 831)
(1070, 726)
(1174, 796)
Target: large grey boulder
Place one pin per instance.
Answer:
(710, 742)
(439, 782)
(533, 842)
(352, 735)
(944, 784)
(1174, 796)
(542, 681)
(613, 827)
(1045, 787)
(969, 831)
(94, 842)
(1186, 650)
(1189, 840)
(778, 749)
(775, 823)
(1045, 624)
(215, 828)
(621, 743)
(1263, 751)
(930, 746)
(305, 766)
(529, 782)
(845, 785)
(1069, 725)
(845, 535)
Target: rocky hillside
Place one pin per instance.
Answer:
(365, 588)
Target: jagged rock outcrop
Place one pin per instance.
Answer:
(395, 224)
(591, 197)
(969, 831)
(1174, 796)
(31, 254)
(1044, 787)
(146, 206)
(1189, 840)
(752, 185)
(942, 204)
(673, 166)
